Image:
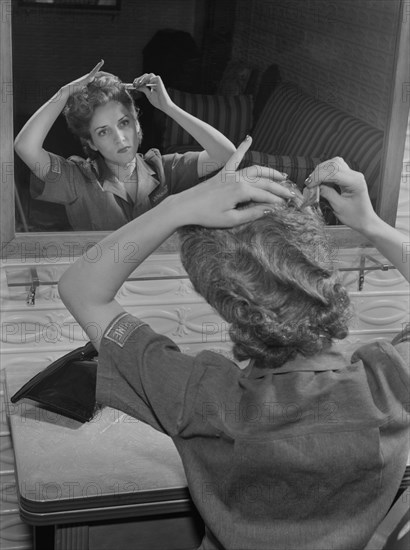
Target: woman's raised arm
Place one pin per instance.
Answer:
(29, 142)
(352, 207)
(88, 289)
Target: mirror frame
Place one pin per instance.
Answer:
(51, 246)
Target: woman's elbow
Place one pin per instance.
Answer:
(18, 146)
(230, 150)
(63, 286)
(24, 150)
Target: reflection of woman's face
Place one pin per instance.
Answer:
(114, 133)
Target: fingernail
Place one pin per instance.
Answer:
(308, 180)
(247, 137)
(285, 175)
(266, 212)
(293, 193)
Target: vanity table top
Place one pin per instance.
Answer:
(113, 466)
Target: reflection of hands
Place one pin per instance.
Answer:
(352, 206)
(78, 85)
(153, 87)
(214, 203)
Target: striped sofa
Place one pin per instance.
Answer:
(293, 133)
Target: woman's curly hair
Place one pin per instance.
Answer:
(81, 105)
(273, 281)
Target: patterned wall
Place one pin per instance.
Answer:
(340, 51)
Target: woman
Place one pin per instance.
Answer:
(116, 183)
(306, 446)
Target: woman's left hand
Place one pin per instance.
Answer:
(153, 87)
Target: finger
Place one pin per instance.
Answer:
(96, 68)
(146, 79)
(330, 194)
(258, 195)
(236, 158)
(146, 89)
(272, 187)
(249, 214)
(311, 196)
(144, 82)
(138, 81)
(266, 172)
(328, 171)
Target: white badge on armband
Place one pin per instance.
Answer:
(120, 330)
(55, 164)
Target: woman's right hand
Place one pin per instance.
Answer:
(78, 85)
(29, 142)
(232, 196)
(352, 205)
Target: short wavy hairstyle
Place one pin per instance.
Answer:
(273, 280)
(81, 105)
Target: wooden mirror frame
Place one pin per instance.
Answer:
(40, 246)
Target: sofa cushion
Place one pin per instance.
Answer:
(231, 115)
(296, 124)
(311, 127)
(363, 145)
(297, 168)
(275, 118)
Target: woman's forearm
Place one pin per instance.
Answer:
(88, 287)
(29, 142)
(394, 246)
(97, 276)
(218, 147)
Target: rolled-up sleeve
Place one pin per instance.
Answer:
(61, 178)
(144, 374)
(181, 171)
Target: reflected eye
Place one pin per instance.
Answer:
(124, 122)
(102, 133)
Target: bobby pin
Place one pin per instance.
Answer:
(130, 86)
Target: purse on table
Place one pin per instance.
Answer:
(67, 386)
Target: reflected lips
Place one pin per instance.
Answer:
(123, 150)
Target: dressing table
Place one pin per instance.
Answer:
(109, 484)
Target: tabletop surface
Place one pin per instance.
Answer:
(62, 464)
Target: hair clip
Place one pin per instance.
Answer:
(311, 196)
(130, 86)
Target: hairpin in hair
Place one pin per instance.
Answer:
(130, 86)
(311, 196)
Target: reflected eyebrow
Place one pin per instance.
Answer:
(106, 125)
(99, 128)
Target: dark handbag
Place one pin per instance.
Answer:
(67, 386)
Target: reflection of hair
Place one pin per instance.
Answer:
(81, 105)
(273, 281)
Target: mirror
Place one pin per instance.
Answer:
(365, 73)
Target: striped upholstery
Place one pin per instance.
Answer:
(311, 127)
(275, 118)
(362, 145)
(296, 128)
(307, 127)
(231, 115)
(297, 168)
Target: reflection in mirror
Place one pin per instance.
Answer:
(311, 79)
